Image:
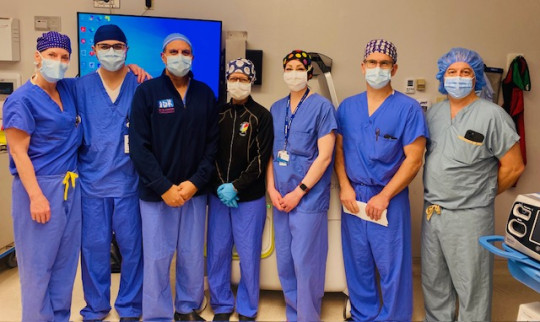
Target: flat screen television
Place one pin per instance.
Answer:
(145, 35)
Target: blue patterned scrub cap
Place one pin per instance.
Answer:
(241, 65)
(53, 39)
(381, 46)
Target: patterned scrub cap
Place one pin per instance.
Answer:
(381, 46)
(301, 56)
(53, 39)
(241, 65)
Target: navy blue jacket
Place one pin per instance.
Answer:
(171, 142)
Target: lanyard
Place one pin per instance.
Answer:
(288, 121)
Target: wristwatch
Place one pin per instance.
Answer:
(304, 187)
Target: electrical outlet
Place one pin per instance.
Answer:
(113, 4)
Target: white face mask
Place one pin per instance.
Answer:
(179, 65)
(111, 60)
(52, 70)
(239, 91)
(296, 80)
(378, 77)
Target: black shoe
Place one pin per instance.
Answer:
(245, 318)
(222, 316)
(191, 316)
(130, 319)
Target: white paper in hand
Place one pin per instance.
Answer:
(383, 221)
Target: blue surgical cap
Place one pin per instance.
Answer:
(109, 32)
(461, 55)
(176, 36)
(53, 39)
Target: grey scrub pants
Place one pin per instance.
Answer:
(454, 263)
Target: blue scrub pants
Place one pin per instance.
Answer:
(166, 230)
(368, 247)
(243, 227)
(100, 217)
(301, 247)
(453, 262)
(47, 254)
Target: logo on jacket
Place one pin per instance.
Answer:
(243, 128)
(166, 106)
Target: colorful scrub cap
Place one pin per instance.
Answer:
(461, 55)
(301, 56)
(176, 36)
(241, 65)
(53, 39)
(109, 32)
(381, 46)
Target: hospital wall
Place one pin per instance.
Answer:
(421, 29)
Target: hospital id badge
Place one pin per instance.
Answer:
(283, 158)
(126, 144)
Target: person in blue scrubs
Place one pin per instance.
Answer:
(298, 183)
(379, 148)
(110, 203)
(472, 155)
(173, 136)
(237, 206)
(43, 133)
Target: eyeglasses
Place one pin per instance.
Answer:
(239, 79)
(117, 46)
(385, 64)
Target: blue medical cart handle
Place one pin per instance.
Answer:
(487, 242)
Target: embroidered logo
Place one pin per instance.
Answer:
(243, 128)
(166, 106)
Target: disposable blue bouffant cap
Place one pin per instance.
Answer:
(175, 36)
(461, 55)
(109, 32)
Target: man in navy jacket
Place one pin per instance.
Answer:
(173, 142)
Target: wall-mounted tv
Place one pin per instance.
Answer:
(145, 37)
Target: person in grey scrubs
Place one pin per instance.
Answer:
(472, 155)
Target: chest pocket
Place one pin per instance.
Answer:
(464, 151)
(385, 150)
(302, 143)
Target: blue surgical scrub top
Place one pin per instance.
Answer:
(55, 135)
(461, 169)
(314, 119)
(105, 168)
(373, 145)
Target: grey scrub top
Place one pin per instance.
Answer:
(462, 154)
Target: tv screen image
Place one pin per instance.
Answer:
(145, 35)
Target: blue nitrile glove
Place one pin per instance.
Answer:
(227, 194)
(232, 203)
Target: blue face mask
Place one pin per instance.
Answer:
(378, 77)
(179, 65)
(458, 87)
(52, 70)
(112, 60)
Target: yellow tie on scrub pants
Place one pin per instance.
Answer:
(72, 176)
(433, 209)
